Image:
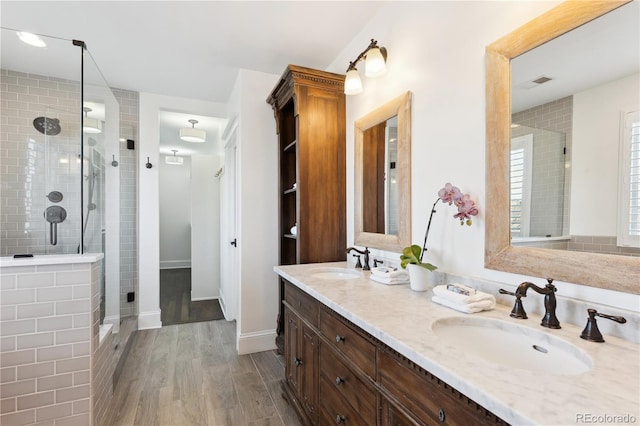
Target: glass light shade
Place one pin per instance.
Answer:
(352, 83)
(374, 65)
(173, 159)
(189, 134)
(91, 125)
(31, 39)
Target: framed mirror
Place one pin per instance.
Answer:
(383, 176)
(607, 271)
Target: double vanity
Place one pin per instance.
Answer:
(359, 352)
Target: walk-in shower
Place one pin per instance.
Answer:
(60, 121)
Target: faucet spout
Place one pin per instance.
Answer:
(549, 291)
(365, 253)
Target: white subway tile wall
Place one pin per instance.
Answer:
(33, 164)
(47, 340)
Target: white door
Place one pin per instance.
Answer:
(230, 267)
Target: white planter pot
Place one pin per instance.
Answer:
(421, 278)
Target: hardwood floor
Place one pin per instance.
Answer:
(190, 374)
(175, 300)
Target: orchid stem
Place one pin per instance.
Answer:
(424, 246)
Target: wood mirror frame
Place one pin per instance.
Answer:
(400, 106)
(606, 271)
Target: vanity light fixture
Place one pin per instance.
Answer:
(374, 66)
(31, 39)
(175, 159)
(90, 125)
(191, 134)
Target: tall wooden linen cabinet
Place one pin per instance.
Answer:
(309, 108)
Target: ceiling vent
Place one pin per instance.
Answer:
(535, 82)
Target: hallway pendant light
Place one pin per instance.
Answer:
(90, 125)
(191, 134)
(175, 159)
(375, 66)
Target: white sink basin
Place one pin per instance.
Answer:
(512, 345)
(329, 273)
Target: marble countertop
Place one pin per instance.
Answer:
(403, 319)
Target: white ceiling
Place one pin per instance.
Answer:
(194, 49)
(605, 49)
(190, 49)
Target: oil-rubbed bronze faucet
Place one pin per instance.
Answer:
(591, 331)
(549, 319)
(364, 252)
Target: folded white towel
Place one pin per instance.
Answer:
(390, 280)
(388, 272)
(461, 299)
(469, 308)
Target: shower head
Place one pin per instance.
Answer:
(47, 126)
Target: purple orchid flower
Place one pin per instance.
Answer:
(449, 193)
(452, 195)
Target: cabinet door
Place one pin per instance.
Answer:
(309, 371)
(291, 360)
(392, 416)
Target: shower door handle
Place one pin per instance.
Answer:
(234, 242)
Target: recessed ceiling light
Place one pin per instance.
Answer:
(31, 39)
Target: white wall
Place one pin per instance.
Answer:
(175, 214)
(437, 51)
(596, 123)
(148, 196)
(257, 185)
(205, 230)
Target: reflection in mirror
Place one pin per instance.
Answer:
(382, 176)
(590, 199)
(576, 84)
(537, 184)
(379, 178)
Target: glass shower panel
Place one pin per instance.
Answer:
(40, 146)
(100, 178)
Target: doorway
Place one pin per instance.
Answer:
(189, 201)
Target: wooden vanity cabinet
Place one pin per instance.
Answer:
(336, 373)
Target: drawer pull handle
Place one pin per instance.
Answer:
(340, 419)
(441, 415)
(339, 338)
(339, 380)
(297, 362)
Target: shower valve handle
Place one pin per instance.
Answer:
(54, 215)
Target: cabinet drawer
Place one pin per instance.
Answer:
(334, 410)
(344, 381)
(306, 306)
(426, 396)
(344, 338)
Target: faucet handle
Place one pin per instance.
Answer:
(518, 309)
(358, 263)
(591, 331)
(377, 262)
